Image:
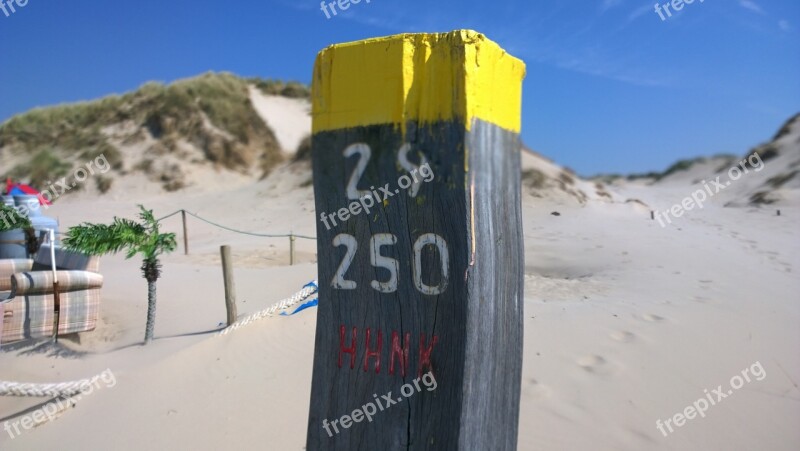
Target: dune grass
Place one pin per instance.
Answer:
(212, 111)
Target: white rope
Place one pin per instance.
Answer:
(64, 389)
(298, 297)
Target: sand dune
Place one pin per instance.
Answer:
(290, 118)
(626, 322)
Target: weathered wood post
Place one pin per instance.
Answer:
(230, 287)
(185, 234)
(56, 290)
(291, 249)
(417, 186)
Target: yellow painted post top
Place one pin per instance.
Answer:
(424, 77)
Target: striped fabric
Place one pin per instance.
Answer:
(8, 267)
(31, 316)
(41, 282)
(27, 313)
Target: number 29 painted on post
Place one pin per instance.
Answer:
(380, 240)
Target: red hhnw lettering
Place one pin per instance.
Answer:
(401, 353)
(425, 354)
(351, 350)
(376, 353)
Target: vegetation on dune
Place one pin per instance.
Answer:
(45, 166)
(779, 180)
(292, 89)
(303, 152)
(681, 165)
(678, 166)
(212, 111)
(533, 178)
(767, 151)
(103, 183)
(787, 127)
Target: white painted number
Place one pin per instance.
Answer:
(364, 153)
(338, 279)
(444, 258)
(379, 261)
(402, 158)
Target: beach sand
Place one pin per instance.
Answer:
(626, 323)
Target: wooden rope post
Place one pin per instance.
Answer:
(230, 287)
(185, 234)
(416, 157)
(291, 249)
(56, 291)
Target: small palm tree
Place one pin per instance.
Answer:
(134, 238)
(11, 218)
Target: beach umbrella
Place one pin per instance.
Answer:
(21, 189)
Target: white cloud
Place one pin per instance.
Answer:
(784, 25)
(752, 6)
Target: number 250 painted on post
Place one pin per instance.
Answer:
(387, 239)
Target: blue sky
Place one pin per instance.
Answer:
(610, 86)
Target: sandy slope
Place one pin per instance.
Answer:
(290, 119)
(626, 323)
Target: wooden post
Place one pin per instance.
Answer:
(56, 310)
(652, 214)
(56, 291)
(185, 235)
(230, 287)
(291, 249)
(416, 157)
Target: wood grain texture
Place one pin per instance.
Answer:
(493, 369)
(473, 203)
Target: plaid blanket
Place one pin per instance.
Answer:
(31, 316)
(8, 267)
(29, 311)
(41, 282)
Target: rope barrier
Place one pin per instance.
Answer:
(264, 235)
(64, 389)
(168, 216)
(67, 389)
(296, 298)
